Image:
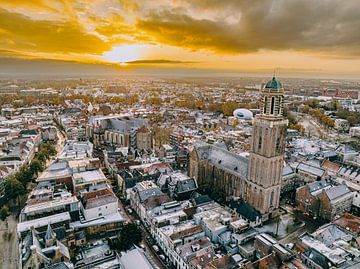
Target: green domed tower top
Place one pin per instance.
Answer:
(273, 84)
(272, 99)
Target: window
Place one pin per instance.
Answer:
(260, 142)
(272, 105)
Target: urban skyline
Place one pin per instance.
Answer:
(179, 134)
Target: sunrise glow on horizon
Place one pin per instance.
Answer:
(232, 35)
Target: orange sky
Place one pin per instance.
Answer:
(304, 36)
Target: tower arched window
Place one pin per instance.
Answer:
(272, 105)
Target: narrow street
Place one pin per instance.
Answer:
(145, 242)
(310, 126)
(60, 142)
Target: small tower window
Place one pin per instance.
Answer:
(271, 198)
(260, 142)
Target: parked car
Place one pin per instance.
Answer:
(162, 257)
(156, 248)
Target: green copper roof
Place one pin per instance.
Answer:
(273, 84)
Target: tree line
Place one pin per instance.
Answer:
(323, 119)
(293, 122)
(313, 106)
(15, 185)
(352, 117)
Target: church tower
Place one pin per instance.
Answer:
(263, 183)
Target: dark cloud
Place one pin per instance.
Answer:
(184, 31)
(318, 26)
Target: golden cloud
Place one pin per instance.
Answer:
(21, 33)
(187, 32)
(91, 27)
(113, 26)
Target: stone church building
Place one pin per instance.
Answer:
(218, 168)
(256, 180)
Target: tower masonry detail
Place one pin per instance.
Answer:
(266, 159)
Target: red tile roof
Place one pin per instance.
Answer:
(349, 222)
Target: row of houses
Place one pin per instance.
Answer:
(199, 233)
(21, 132)
(71, 204)
(325, 200)
(334, 245)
